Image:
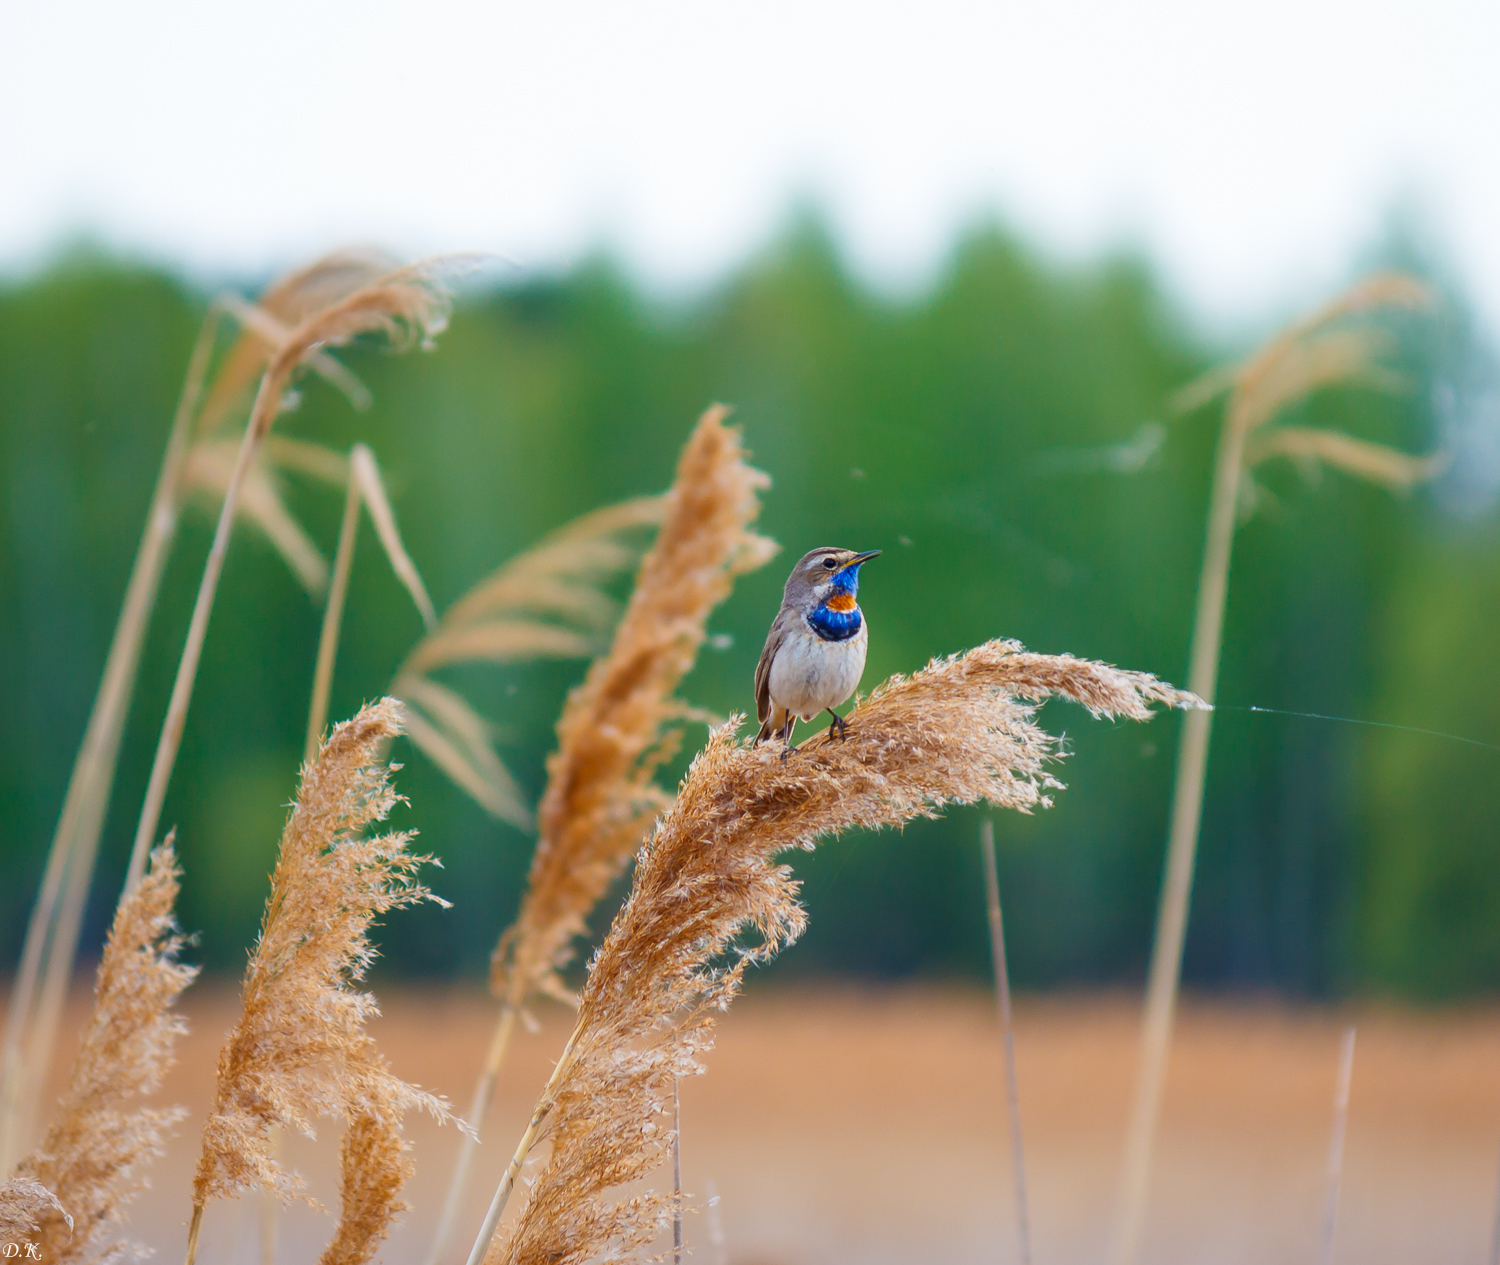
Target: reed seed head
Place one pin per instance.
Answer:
(300, 1049)
(374, 1165)
(615, 730)
(100, 1141)
(961, 730)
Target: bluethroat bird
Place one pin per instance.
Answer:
(815, 652)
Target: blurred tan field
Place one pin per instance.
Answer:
(843, 1125)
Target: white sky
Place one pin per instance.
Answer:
(1253, 149)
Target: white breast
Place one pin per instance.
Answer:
(809, 674)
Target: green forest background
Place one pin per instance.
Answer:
(1003, 435)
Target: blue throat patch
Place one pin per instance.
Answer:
(839, 625)
(835, 625)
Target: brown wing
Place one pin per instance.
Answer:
(763, 668)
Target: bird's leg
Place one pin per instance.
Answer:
(786, 735)
(839, 725)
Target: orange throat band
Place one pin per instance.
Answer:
(841, 603)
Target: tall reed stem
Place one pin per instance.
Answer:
(1495, 1231)
(523, 1148)
(1336, 1145)
(193, 1228)
(1007, 1032)
(52, 935)
(676, 1171)
(261, 415)
(1187, 812)
(333, 618)
(484, 1091)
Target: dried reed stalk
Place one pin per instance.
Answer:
(283, 305)
(406, 306)
(300, 1049)
(544, 603)
(93, 1153)
(210, 469)
(365, 488)
(1318, 352)
(1007, 1034)
(52, 935)
(956, 732)
(676, 1170)
(614, 734)
(1494, 1256)
(1336, 1146)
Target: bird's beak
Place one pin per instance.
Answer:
(860, 557)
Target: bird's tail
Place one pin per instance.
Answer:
(773, 724)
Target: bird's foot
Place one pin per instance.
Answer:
(786, 751)
(838, 726)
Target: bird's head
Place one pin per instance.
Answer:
(830, 575)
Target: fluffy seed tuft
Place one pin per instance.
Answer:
(614, 731)
(96, 1147)
(300, 1049)
(959, 731)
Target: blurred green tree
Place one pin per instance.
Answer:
(1001, 434)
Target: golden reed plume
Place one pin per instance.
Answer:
(92, 1156)
(960, 731)
(613, 735)
(300, 1049)
(189, 465)
(406, 306)
(374, 1165)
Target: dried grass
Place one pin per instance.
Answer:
(1325, 349)
(544, 603)
(614, 732)
(51, 944)
(210, 467)
(374, 1165)
(959, 731)
(195, 461)
(407, 306)
(300, 1049)
(364, 488)
(284, 304)
(93, 1153)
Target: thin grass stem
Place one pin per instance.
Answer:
(170, 740)
(1336, 1145)
(484, 1091)
(676, 1171)
(52, 934)
(270, 1216)
(333, 616)
(1007, 1032)
(1494, 1258)
(1187, 811)
(523, 1148)
(194, 1227)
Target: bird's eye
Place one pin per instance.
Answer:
(830, 563)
